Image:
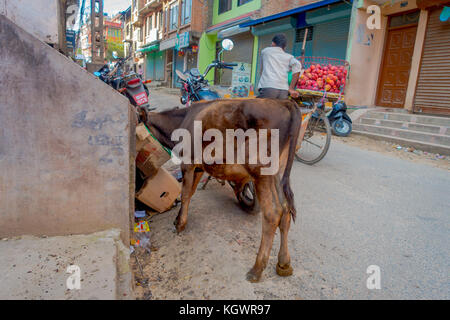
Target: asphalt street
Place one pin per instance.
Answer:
(356, 208)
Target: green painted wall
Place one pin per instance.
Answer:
(235, 11)
(207, 53)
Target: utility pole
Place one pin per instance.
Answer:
(98, 43)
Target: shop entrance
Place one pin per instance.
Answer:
(396, 66)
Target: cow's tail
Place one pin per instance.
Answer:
(294, 129)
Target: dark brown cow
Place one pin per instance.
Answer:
(275, 197)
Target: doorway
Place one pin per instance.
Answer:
(396, 66)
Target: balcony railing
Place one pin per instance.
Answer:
(136, 19)
(152, 36)
(149, 6)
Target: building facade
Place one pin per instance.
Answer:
(112, 34)
(184, 21)
(223, 22)
(165, 36)
(170, 35)
(405, 63)
(251, 24)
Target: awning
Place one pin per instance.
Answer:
(149, 48)
(284, 14)
(229, 23)
(222, 34)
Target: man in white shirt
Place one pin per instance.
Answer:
(276, 64)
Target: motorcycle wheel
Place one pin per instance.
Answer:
(341, 127)
(246, 196)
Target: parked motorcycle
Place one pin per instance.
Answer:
(195, 87)
(341, 124)
(130, 85)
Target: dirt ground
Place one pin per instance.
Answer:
(395, 150)
(210, 258)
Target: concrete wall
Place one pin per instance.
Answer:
(416, 59)
(365, 53)
(38, 17)
(64, 143)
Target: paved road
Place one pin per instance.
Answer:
(356, 208)
(164, 99)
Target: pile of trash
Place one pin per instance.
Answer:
(434, 156)
(159, 188)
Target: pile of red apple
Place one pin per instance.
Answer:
(321, 77)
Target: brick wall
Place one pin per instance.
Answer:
(270, 7)
(199, 17)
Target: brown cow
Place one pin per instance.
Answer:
(275, 197)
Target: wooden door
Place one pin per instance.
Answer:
(396, 67)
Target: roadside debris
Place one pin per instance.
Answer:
(432, 156)
(141, 236)
(139, 214)
(160, 188)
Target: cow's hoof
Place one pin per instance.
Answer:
(253, 276)
(180, 227)
(285, 271)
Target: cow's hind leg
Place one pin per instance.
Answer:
(191, 178)
(271, 212)
(284, 268)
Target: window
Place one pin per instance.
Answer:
(224, 6)
(148, 25)
(186, 8)
(404, 19)
(300, 34)
(174, 17)
(242, 2)
(165, 21)
(160, 19)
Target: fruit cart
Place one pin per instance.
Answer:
(323, 78)
(320, 87)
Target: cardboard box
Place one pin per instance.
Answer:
(160, 191)
(151, 155)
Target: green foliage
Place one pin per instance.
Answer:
(114, 46)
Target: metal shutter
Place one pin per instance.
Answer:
(242, 52)
(159, 65)
(433, 85)
(330, 38)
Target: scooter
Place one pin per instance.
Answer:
(341, 124)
